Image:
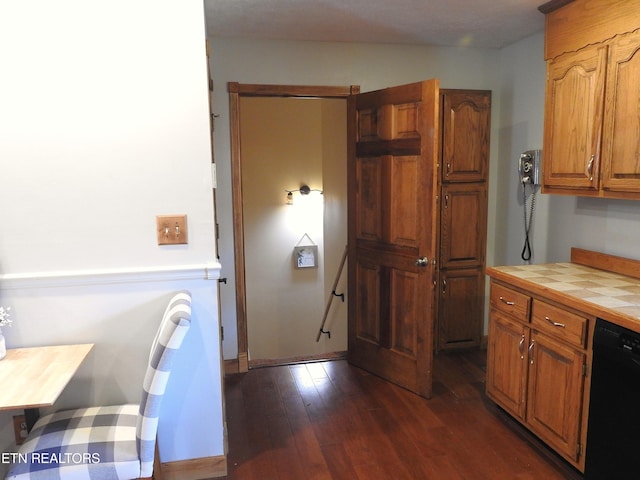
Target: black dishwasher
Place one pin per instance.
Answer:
(613, 440)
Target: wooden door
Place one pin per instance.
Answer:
(573, 121)
(621, 139)
(463, 225)
(554, 403)
(465, 135)
(460, 309)
(507, 363)
(392, 154)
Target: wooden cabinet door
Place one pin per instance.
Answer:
(393, 144)
(465, 135)
(621, 138)
(573, 121)
(463, 223)
(507, 363)
(554, 404)
(461, 308)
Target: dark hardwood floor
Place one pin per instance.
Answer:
(330, 420)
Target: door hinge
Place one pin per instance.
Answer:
(221, 332)
(584, 370)
(214, 176)
(578, 450)
(213, 121)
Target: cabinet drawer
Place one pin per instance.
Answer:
(509, 301)
(559, 323)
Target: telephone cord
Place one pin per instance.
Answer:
(526, 250)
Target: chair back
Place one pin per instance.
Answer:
(173, 328)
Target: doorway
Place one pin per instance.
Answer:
(279, 306)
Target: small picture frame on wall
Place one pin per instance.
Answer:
(305, 256)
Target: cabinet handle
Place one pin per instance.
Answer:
(555, 324)
(531, 351)
(446, 201)
(589, 169)
(448, 169)
(521, 347)
(444, 285)
(507, 302)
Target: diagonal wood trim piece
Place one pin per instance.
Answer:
(603, 261)
(321, 357)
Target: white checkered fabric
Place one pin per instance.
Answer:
(107, 443)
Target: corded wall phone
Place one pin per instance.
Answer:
(529, 174)
(529, 167)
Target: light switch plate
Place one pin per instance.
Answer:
(19, 429)
(171, 229)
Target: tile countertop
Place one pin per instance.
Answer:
(609, 295)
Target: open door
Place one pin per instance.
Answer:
(393, 145)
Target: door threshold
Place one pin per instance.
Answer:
(276, 362)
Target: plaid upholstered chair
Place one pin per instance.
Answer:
(110, 443)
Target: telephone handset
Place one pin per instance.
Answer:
(529, 174)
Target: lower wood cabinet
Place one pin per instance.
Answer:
(460, 308)
(536, 368)
(507, 363)
(554, 393)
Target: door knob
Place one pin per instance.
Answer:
(422, 262)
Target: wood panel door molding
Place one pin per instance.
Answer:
(237, 90)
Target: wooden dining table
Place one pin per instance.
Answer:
(35, 377)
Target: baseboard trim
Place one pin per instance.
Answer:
(243, 362)
(195, 469)
(231, 366)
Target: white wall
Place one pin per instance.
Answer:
(522, 74)
(312, 63)
(104, 125)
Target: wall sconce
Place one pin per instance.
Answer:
(304, 190)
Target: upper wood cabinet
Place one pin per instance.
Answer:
(592, 106)
(621, 134)
(573, 119)
(465, 143)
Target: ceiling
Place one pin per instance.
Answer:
(475, 23)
